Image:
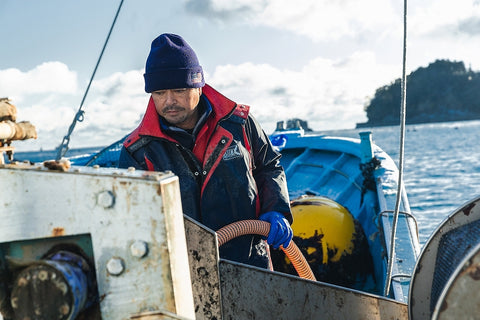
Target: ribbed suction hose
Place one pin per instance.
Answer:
(262, 228)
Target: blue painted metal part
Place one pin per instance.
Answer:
(366, 146)
(77, 282)
(72, 268)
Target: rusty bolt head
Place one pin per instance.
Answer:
(106, 199)
(14, 302)
(64, 309)
(115, 266)
(42, 275)
(139, 249)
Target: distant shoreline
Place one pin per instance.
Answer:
(412, 121)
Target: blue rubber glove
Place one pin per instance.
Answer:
(280, 231)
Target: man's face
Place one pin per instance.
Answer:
(178, 106)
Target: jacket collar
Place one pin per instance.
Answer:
(221, 105)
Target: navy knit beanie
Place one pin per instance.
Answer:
(172, 64)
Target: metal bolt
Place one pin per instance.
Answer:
(139, 249)
(64, 309)
(14, 302)
(115, 266)
(202, 272)
(42, 275)
(106, 199)
(22, 281)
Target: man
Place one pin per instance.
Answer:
(227, 168)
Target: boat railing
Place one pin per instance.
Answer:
(388, 213)
(406, 237)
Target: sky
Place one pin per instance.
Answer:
(318, 60)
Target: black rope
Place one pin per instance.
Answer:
(79, 117)
(368, 169)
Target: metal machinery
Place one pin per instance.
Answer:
(92, 244)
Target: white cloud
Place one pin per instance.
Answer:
(332, 92)
(45, 78)
(331, 20)
(440, 29)
(43, 96)
(233, 5)
(113, 109)
(328, 20)
(318, 20)
(47, 96)
(443, 18)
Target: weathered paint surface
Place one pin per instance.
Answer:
(111, 213)
(228, 290)
(252, 293)
(203, 257)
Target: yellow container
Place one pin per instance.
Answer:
(325, 222)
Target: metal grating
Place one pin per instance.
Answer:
(452, 249)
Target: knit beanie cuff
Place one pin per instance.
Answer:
(174, 79)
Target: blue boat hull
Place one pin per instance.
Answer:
(341, 169)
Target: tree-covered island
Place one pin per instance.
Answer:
(443, 91)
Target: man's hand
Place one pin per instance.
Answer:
(280, 231)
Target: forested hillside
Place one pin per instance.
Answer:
(443, 91)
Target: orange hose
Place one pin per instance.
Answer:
(262, 228)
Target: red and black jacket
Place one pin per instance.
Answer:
(232, 172)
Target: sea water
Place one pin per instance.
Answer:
(441, 166)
